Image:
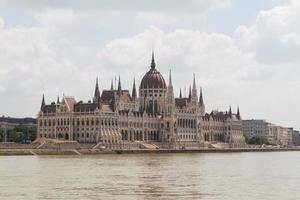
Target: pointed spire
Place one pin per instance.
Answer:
(119, 87)
(153, 61)
(190, 93)
(238, 115)
(43, 102)
(134, 95)
(194, 84)
(97, 92)
(170, 79)
(201, 103)
(230, 111)
(180, 94)
(57, 102)
(112, 84)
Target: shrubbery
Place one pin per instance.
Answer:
(20, 134)
(256, 140)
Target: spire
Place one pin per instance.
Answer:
(43, 102)
(134, 95)
(57, 102)
(153, 61)
(230, 112)
(180, 95)
(201, 103)
(119, 87)
(194, 84)
(238, 115)
(190, 93)
(97, 92)
(112, 85)
(170, 79)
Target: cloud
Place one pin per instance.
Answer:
(170, 6)
(67, 47)
(274, 38)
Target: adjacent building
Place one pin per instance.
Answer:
(153, 116)
(296, 138)
(275, 134)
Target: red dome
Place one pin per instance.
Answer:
(153, 79)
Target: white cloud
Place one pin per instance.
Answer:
(274, 38)
(170, 6)
(63, 51)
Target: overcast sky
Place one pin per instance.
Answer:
(243, 52)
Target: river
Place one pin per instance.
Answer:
(232, 176)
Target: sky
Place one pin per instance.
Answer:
(243, 53)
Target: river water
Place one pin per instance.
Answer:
(232, 176)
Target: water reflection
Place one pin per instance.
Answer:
(152, 176)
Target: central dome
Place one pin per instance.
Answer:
(153, 78)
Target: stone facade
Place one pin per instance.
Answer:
(117, 118)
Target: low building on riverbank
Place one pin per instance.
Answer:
(275, 134)
(296, 138)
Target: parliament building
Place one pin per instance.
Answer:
(152, 117)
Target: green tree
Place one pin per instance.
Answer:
(257, 140)
(21, 133)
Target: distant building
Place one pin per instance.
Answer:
(273, 133)
(296, 138)
(155, 116)
(9, 123)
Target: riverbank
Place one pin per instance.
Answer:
(38, 152)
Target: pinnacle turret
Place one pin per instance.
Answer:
(57, 101)
(190, 93)
(201, 103)
(134, 94)
(170, 79)
(180, 94)
(43, 102)
(238, 115)
(97, 92)
(112, 84)
(119, 87)
(153, 61)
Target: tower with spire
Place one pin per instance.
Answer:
(238, 115)
(153, 113)
(194, 97)
(201, 103)
(119, 91)
(96, 98)
(43, 102)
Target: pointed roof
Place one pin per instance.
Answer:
(230, 111)
(119, 86)
(112, 84)
(97, 92)
(190, 93)
(43, 102)
(170, 79)
(180, 94)
(238, 115)
(134, 94)
(57, 102)
(194, 84)
(153, 61)
(201, 102)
